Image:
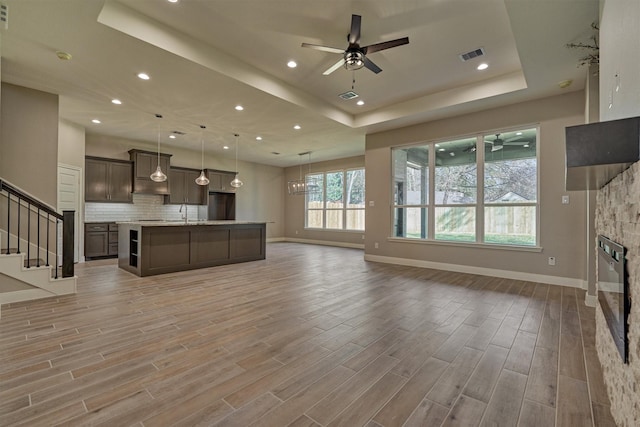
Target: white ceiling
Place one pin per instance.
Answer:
(206, 56)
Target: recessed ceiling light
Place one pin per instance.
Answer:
(437, 145)
(292, 64)
(452, 154)
(143, 76)
(297, 127)
(482, 66)
(258, 138)
(64, 56)
(518, 133)
(565, 83)
(116, 101)
(172, 136)
(361, 102)
(96, 121)
(226, 147)
(526, 145)
(172, 1)
(441, 149)
(239, 107)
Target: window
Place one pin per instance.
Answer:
(339, 205)
(484, 189)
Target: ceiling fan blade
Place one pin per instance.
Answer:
(354, 33)
(323, 48)
(334, 67)
(385, 45)
(370, 65)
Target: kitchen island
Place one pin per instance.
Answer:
(146, 248)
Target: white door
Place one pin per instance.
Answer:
(69, 185)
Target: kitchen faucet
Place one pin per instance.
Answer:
(185, 216)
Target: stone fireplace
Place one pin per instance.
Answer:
(618, 217)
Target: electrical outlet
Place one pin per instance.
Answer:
(552, 260)
(565, 200)
(296, 231)
(375, 245)
(363, 237)
(372, 203)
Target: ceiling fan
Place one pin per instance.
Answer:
(354, 57)
(499, 143)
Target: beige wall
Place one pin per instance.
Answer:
(29, 141)
(259, 199)
(71, 144)
(294, 206)
(561, 226)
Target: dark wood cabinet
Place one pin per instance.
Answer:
(220, 181)
(147, 249)
(144, 164)
(100, 240)
(183, 187)
(107, 180)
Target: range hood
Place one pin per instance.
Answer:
(598, 152)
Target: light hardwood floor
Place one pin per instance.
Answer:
(311, 336)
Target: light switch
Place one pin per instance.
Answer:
(565, 200)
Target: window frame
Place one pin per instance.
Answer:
(480, 203)
(344, 209)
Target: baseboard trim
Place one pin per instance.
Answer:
(482, 271)
(325, 243)
(590, 300)
(275, 239)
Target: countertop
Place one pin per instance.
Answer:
(161, 223)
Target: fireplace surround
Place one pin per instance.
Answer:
(613, 292)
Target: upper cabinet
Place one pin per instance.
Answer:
(107, 180)
(220, 181)
(183, 187)
(144, 164)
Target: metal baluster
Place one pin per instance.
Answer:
(18, 233)
(56, 261)
(8, 222)
(38, 241)
(47, 250)
(29, 235)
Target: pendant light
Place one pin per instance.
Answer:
(158, 175)
(236, 183)
(202, 179)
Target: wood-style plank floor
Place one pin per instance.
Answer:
(312, 336)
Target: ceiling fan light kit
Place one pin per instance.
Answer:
(354, 56)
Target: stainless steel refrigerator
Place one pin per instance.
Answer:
(221, 206)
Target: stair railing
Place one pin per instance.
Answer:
(43, 215)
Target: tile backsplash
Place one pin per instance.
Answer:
(144, 206)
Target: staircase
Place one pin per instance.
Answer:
(30, 237)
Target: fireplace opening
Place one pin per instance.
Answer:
(613, 292)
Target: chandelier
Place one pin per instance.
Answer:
(307, 185)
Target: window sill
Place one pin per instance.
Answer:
(467, 245)
(339, 230)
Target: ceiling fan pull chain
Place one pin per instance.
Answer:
(353, 83)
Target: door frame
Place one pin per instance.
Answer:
(79, 216)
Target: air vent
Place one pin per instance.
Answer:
(348, 95)
(470, 55)
(177, 132)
